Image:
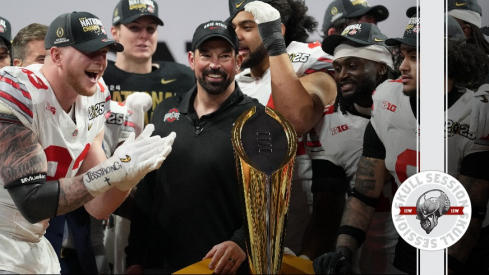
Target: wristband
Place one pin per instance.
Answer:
(358, 234)
(100, 178)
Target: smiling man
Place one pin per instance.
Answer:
(28, 45)
(190, 208)
(51, 132)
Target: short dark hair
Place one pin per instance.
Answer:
(297, 23)
(32, 32)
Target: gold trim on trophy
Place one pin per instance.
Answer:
(266, 194)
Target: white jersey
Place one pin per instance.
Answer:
(306, 58)
(26, 92)
(397, 128)
(339, 139)
(460, 142)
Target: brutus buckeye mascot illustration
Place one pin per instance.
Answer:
(429, 210)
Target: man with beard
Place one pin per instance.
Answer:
(361, 63)
(190, 208)
(382, 154)
(296, 74)
(51, 125)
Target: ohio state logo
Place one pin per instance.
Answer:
(431, 210)
(172, 115)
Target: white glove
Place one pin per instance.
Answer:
(479, 115)
(262, 12)
(269, 26)
(139, 103)
(130, 162)
(288, 251)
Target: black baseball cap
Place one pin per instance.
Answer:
(236, 6)
(215, 28)
(357, 35)
(80, 30)
(5, 31)
(454, 31)
(411, 34)
(127, 11)
(466, 10)
(351, 9)
(412, 11)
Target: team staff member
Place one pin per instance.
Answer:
(54, 114)
(134, 25)
(190, 208)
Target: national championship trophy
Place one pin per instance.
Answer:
(265, 145)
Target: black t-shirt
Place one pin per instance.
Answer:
(168, 80)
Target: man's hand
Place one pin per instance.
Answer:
(130, 162)
(269, 26)
(338, 262)
(226, 257)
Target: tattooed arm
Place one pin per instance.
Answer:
(370, 178)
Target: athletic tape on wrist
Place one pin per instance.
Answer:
(271, 34)
(101, 177)
(367, 200)
(357, 233)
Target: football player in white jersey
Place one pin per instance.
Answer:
(277, 63)
(51, 127)
(361, 63)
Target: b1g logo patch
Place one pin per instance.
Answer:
(431, 210)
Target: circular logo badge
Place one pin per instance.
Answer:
(431, 210)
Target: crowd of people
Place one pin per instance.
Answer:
(99, 177)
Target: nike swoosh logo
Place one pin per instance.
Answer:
(239, 5)
(460, 4)
(127, 159)
(484, 99)
(378, 40)
(163, 81)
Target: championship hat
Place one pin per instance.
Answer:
(215, 28)
(357, 35)
(466, 10)
(81, 30)
(236, 6)
(127, 11)
(5, 31)
(411, 34)
(351, 9)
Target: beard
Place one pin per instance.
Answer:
(75, 81)
(214, 88)
(255, 58)
(410, 93)
(362, 95)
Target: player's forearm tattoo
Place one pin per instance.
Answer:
(72, 195)
(365, 180)
(21, 154)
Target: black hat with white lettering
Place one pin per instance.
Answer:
(357, 35)
(80, 30)
(5, 31)
(215, 28)
(127, 11)
(411, 34)
(352, 9)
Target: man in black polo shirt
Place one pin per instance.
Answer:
(191, 207)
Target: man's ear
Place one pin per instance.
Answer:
(17, 62)
(55, 54)
(283, 29)
(114, 31)
(331, 31)
(467, 30)
(239, 61)
(191, 60)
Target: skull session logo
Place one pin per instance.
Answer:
(431, 210)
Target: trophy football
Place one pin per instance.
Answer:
(265, 145)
